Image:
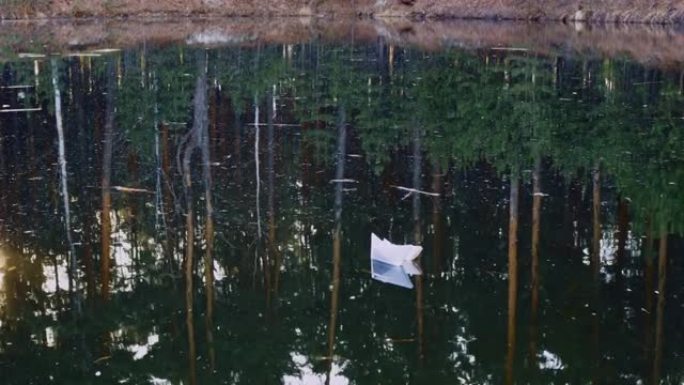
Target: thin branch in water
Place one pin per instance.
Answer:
(344, 181)
(275, 124)
(414, 191)
(6, 111)
(132, 190)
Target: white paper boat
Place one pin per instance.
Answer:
(392, 263)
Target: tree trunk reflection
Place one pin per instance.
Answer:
(337, 235)
(596, 223)
(649, 271)
(512, 276)
(660, 311)
(201, 122)
(195, 138)
(73, 266)
(105, 216)
(534, 297)
(595, 270)
(623, 233)
(274, 255)
(437, 221)
(417, 237)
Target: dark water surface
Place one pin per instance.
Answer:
(545, 190)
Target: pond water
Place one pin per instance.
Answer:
(545, 190)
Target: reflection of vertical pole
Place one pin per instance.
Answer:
(73, 270)
(170, 238)
(660, 312)
(80, 90)
(158, 203)
(390, 59)
(417, 236)
(162, 196)
(258, 183)
(512, 276)
(437, 220)
(197, 136)
(596, 269)
(269, 170)
(272, 250)
(623, 231)
(105, 216)
(596, 223)
(648, 281)
(256, 163)
(337, 234)
(201, 122)
(536, 221)
(189, 251)
(237, 148)
(334, 299)
(3, 179)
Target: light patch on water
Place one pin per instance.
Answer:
(550, 361)
(122, 255)
(608, 247)
(140, 350)
(159, 381)
(461, 356)
(50, 337)
(53, 279)
(219, 272)
(306, 375)
(214, 36)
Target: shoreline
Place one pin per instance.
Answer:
(652, 45)
(617, 12)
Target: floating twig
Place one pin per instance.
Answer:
(28, 55)
(512, 49)
(415, 191)
(105, 50)
(400, 340)
(21, 110)
(17, 86)
(275, 124)
(131, 190)
(344, 181)
(103, 358)
(82, 54)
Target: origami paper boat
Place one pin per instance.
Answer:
(392, 263)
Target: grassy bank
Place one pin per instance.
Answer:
(599, 11)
